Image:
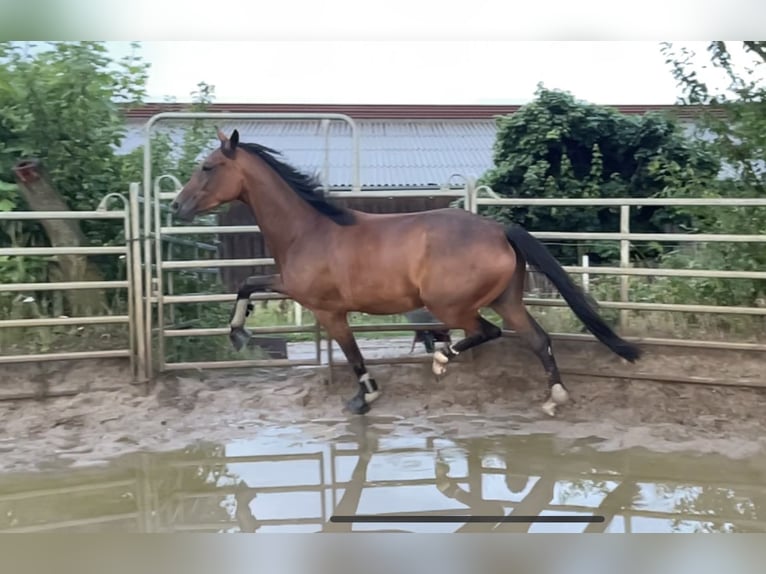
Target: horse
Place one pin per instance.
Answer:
(335, 261)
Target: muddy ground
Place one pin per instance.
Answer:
(503, 384)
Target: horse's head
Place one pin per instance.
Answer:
(216, 181)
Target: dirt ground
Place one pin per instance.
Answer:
(502, 386)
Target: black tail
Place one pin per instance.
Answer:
(538, 256)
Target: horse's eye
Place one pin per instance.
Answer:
(207, 167)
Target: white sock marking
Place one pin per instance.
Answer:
(371, 394)
(240, 313)
(440, 360)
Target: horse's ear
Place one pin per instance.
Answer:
(221, 136)
(234, 140)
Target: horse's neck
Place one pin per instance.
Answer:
(281, 214)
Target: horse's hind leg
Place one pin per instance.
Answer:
(516, 317)
(478, 331)
(337, 327)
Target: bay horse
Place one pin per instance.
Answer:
(334, 261)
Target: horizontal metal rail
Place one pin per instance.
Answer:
(65, 356)
(661, 342)
(241, 364)
(66, 490)
(212, 331)
(391, 194)
(219, 298)
(191, 264)
(63, 286)
(57, 321)
(36, 215)
(187, 243)
(316, 488)
(659, 237)
(655, 341)
(661, 271)
(531, 301)
(662, 378)
(621, 201)
(669, 307)
(316, 456)
(71, 523)
(290, 329)
(427, 193)
(218, 526)
(203, 229)
(96, 250)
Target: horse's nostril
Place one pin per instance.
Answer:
(174, 206)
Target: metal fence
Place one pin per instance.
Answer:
(624, 236)
(151, 269)
(470, 196)
(123, 249)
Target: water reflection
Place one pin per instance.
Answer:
(284, 480)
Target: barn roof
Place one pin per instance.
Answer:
(400, 146)
(391, 111)
(392, 154)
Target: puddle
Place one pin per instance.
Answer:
(294, 478)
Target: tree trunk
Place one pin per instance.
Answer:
(40, 195)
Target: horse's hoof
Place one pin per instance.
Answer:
(239, 336)
(549, 408)
(438, 369)
(358, 406)
(559, 394)
(439, 363)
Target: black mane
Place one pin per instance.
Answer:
(305, 186)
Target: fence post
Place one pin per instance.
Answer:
(470, 195)
(586, 275)
(137, 289)
(624, 263)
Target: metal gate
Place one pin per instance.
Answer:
(128, 249)
(158, 268)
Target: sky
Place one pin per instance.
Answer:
(415, 72)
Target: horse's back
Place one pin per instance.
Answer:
(447, 218)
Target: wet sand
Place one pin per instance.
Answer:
(502, 387)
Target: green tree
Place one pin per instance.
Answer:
(168, 157)
(735, 124)
(559, 147)
(64, 104)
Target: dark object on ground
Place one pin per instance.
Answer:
(428, 338)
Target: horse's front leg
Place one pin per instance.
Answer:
(238, 335)
(337, 327)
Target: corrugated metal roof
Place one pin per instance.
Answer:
(391, 111)
(404, 153)
(393, 152)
